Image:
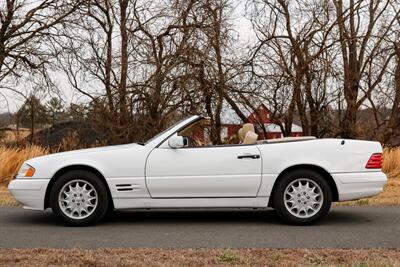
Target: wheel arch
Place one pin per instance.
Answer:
(74, 168)
(316, 168)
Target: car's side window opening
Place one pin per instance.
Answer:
(199, 135)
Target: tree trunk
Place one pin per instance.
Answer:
(287, 131)
(314, 116)
(392, 128)
(33, 110)
(301, 106)
(124, 64)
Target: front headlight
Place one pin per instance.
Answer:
(26, 170)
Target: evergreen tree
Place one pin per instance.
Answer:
(31, 114)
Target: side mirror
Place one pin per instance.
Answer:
(178, 142)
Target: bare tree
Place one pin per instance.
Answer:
(385, 101)
(25, 26)
(135, 51)
(293, 40)
(361, 35)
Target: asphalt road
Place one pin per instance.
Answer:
(344, 227)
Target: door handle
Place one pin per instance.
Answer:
(248, 156)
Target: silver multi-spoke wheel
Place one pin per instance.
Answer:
(303, 198)
(78, 199)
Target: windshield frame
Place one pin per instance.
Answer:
(160, 138)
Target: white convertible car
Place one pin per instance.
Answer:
(299, 177)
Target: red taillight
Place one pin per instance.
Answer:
(375, 161)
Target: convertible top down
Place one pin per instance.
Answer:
(299, 177)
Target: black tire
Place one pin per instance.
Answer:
(97, 213)
(279, 196)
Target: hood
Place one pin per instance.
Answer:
(94, 150)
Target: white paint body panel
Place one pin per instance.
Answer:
(30, 193)
(173, 203)
(156, 176)
(203, 172)
(359, 185)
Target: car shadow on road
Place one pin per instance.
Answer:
(194, 216)
(265, 217)
(184, 217)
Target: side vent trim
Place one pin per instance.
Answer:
(124, 187)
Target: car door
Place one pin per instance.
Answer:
(204, 172)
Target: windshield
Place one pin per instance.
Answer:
(166, 130)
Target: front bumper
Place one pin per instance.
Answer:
(29, 192)
(352, 186)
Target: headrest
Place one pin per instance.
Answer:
(250, 138)
(247, 127)
(241, 135)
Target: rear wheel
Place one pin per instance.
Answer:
(302, 197)
(79, 198)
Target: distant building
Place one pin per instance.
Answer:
(260, 116)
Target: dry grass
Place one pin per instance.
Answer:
(13, 136)
(11, 160)
(391, 162)
(6, 200)
(199, 257)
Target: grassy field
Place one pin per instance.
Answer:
(199, 257)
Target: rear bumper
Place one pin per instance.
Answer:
(353, 186)
(29, 192)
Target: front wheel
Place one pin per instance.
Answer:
(302, 197)
(79, 198)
